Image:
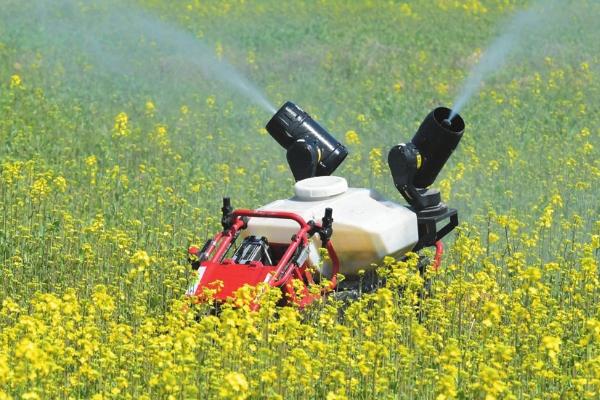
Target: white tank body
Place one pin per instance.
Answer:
(366, 226)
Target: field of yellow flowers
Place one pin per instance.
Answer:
(111, 165)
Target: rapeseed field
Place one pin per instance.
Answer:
(113, 161)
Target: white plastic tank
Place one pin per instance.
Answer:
(366, 226)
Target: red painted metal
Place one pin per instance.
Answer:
(284, 269)
(335, 265)
(226, 277)
(230, 277)
(439, 251)
(227, 238)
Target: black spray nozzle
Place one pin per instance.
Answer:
(311, 150)
(416, 164)
(435, 140)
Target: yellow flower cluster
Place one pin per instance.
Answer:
(121, 127)
(375, 161)
(15, 81)
(352, 137)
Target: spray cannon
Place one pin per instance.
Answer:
(357, 227)
(311, 150)
(416, 165)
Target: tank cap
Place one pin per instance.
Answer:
(320, 187)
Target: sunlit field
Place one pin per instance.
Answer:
(118, 141)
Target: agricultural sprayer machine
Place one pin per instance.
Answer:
(327, 228)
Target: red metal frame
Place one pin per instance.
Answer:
(439, 251)
(234, 276)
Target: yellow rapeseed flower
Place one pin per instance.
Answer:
(375, 161)
(150, 108)
(140, 258)
(61, 183)
(551, 345)
(210, 101)
(406, 9)
(121, 127)
(40, 188)
(235, 386)
(352, 137)
(15, 81)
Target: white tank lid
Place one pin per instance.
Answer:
(320, 187)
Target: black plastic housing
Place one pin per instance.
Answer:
(436, 139)
(291, 125)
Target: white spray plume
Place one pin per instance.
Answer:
(136, 46)
(515, 34)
